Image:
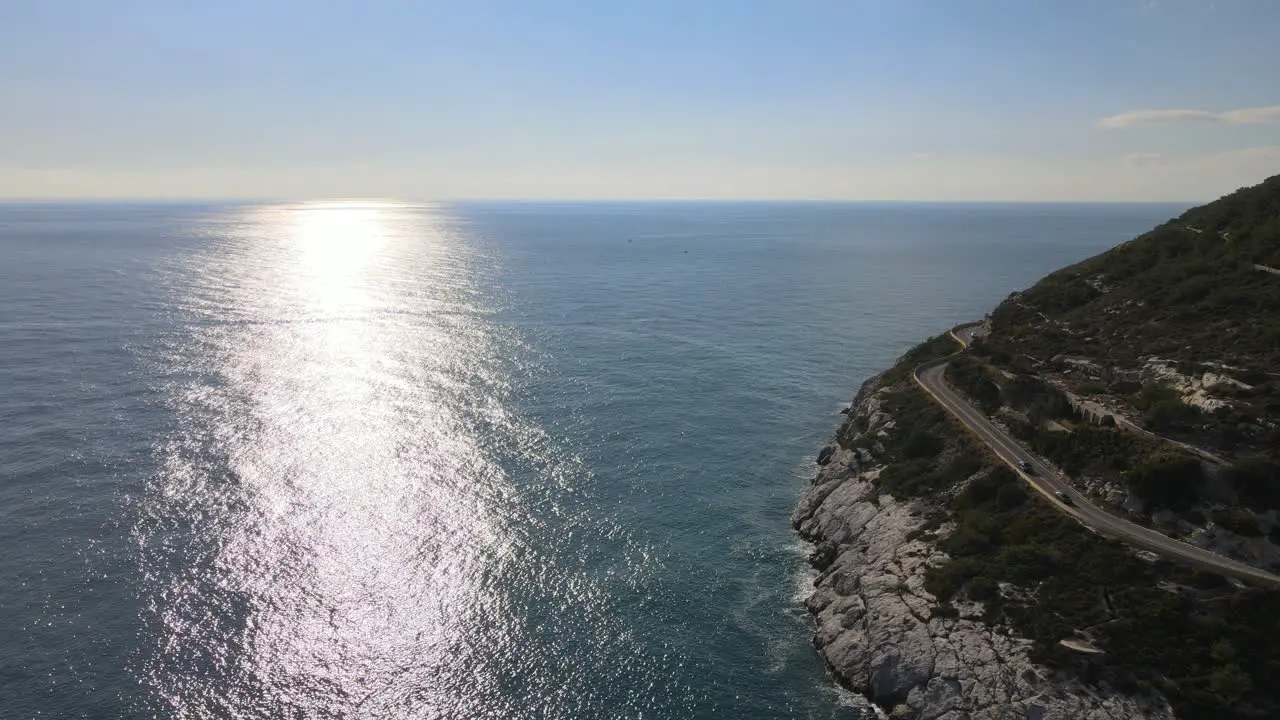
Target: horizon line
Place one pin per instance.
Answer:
(16, 200)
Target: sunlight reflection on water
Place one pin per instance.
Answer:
(332, 537)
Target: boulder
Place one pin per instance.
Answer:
(824, 455)
(823, 555)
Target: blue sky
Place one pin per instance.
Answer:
(840, 99)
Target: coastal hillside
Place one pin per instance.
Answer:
(1175, 336)
(1201, 289)
(1148, 379)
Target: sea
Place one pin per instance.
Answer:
(372, 459)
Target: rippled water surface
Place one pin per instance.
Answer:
(377, 460)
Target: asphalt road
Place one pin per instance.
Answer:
(967, 332)
(1047, 481)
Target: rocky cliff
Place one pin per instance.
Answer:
(877, 627)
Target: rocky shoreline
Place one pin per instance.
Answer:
(875, 625)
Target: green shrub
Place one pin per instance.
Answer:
(969, 376)
(1168, 414)
(1240, 522)
(1256, 480)
(1036, 398)
(1026, 564)
(934, 348)
(1167, 479)
(945, 581)
(945, 610)
(1125, 387)
(981, 588)
(920, 444)
(1091, 388)
(1010, 496)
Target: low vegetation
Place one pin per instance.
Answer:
(974, 379)
(1256, 480)
(1185, 296)
(934, 348)
(1190, 635)
(1177, 331)
(1201, 642)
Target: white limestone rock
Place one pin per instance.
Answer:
(873, 622)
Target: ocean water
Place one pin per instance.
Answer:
(504, 460)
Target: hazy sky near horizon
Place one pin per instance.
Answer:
(822, 99)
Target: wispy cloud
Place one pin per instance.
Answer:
(1241, 116)
(1144, 159)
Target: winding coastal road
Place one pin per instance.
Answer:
(1048, 481)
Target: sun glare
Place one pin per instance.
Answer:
(339, 239)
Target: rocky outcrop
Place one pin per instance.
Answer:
(825, 454)
(1194, 391)
(875, 623)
